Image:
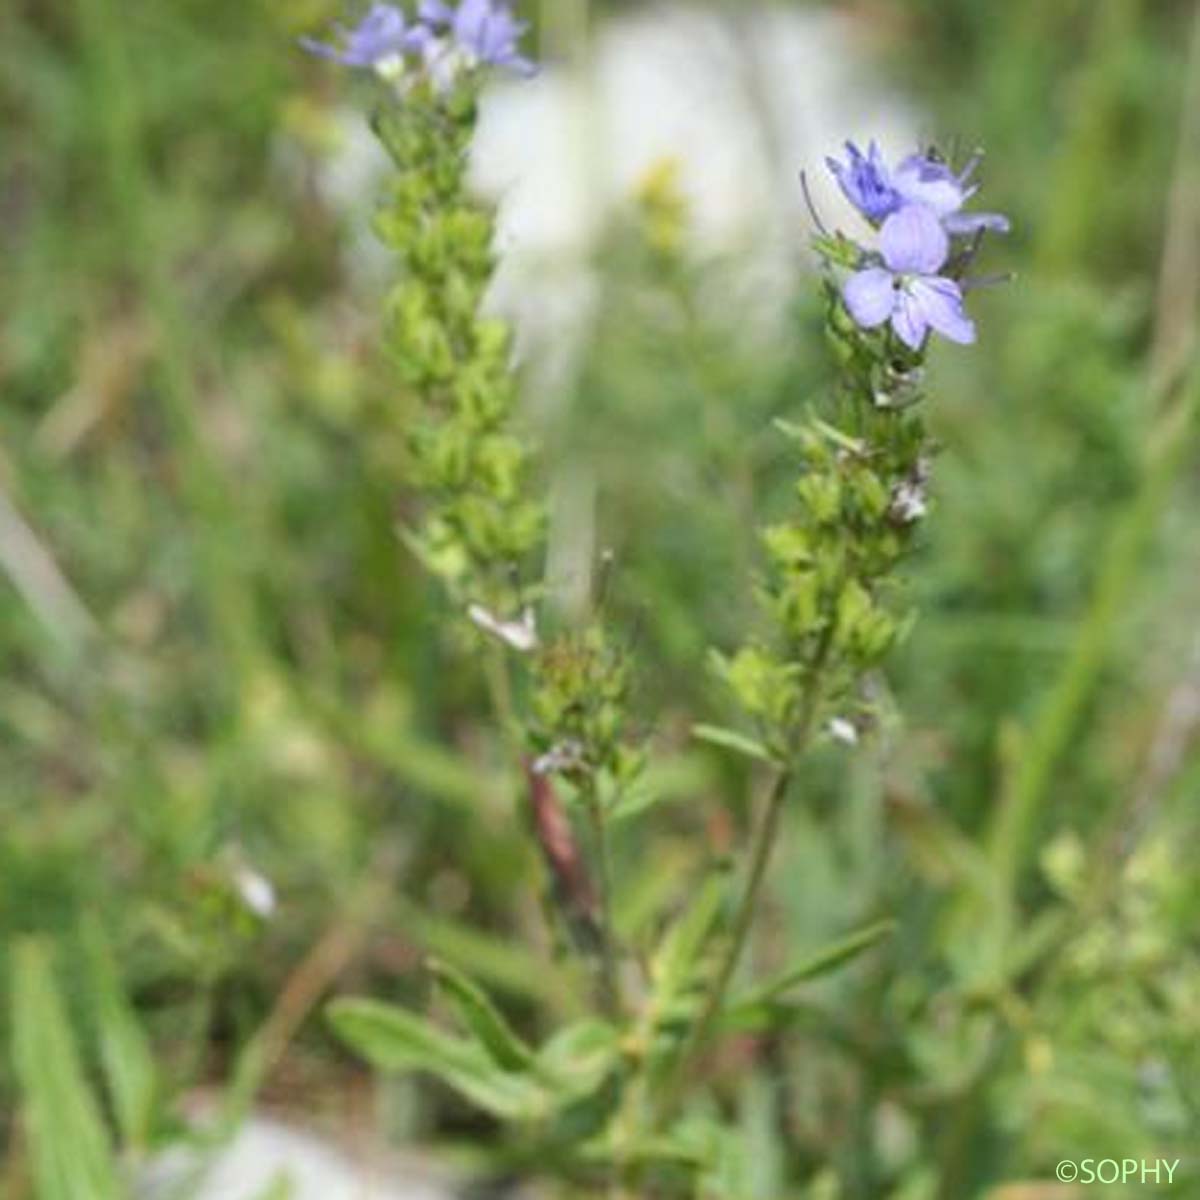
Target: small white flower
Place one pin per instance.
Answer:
(256, 891)
(390, 69)
(566, 756)
(843, 731)
(521, 634)
(909, 503)
(910, 497)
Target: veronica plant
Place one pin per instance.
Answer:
(615, 1102)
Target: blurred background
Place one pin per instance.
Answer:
(244, 761)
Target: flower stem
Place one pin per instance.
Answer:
(765, 838)
(500, 694)
(764, 841)
(608, 952)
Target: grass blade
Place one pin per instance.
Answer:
(71, 1154)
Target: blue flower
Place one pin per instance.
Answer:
(907, 289)
(378, 42)
(878, 192)
(866, 182)
(922, 179)
(482, 32)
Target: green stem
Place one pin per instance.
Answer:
(608, 951)
(764, 842)
(500, 693)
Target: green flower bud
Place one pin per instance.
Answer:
(821, 495)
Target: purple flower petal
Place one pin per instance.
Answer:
(968, 224)
(498, 41)
(379, 36)
(435, 12)
(320, 49)
(865, 182)
(870, 296)
(419, 39)
(921, 180)
(909, 320)
(470, 23)
(525, 67)
(484, 30)
(940, 302)
(913, 241)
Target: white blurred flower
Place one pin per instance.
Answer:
(741, 102)
(256, 891)
(844, 731)
(520, 635)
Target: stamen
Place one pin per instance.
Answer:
(970, 167)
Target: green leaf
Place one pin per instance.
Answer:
(507, 966)
(651, 1152)
(837, 248)
(757, 1140)
(393, 1039)
(730, 739)
(482, 1018)
(775, 1016)
(842, 440)
(664, 781)
(70, 1151)
(125, 1052)
(582, 1066)
(580, 1055)
(789, 429)
(675, 965)
(822, 963)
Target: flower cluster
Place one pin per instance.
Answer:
(864, 461)
(443, 42)
(481, 525)
(913, 280)
(829, 590)
(579, 706)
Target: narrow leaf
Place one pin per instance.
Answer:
(124, 1049)
(508, 967)
(581, 1064)
(580, 1055)
(664, 781)
(730, 739)
(482, 1018)
(681, 949)
(393, 1039)
(842, 440)
(822, 963)
(71, 1155)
